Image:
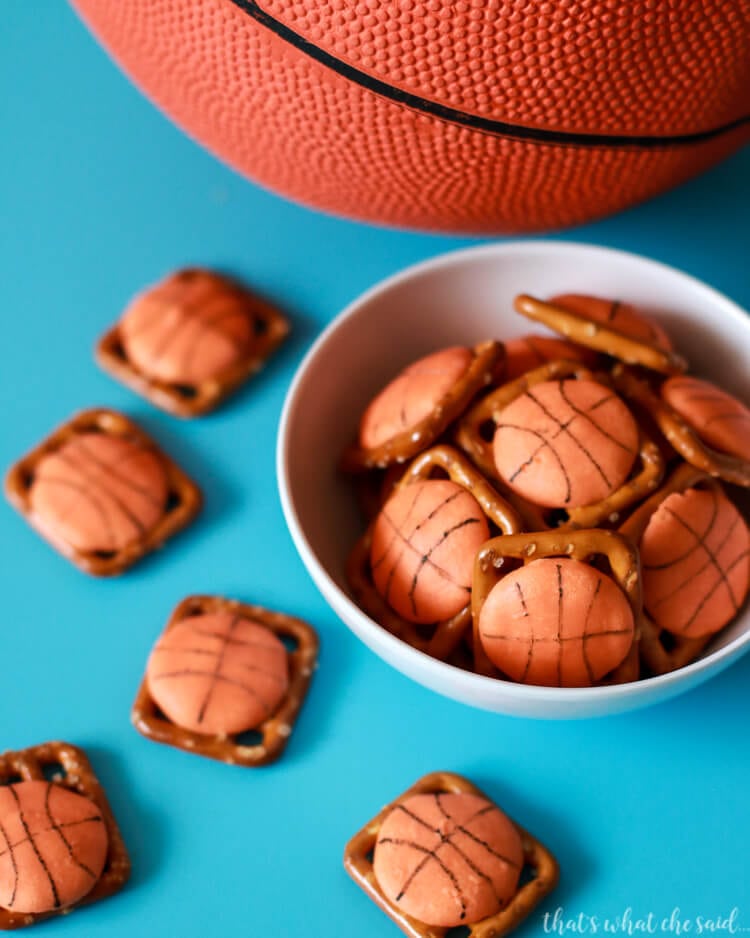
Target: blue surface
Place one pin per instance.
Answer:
(100, 195)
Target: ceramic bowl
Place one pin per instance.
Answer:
(461, 298)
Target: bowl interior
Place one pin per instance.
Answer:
(461, 299)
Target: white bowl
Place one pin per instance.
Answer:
(461, 298)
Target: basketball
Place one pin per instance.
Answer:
(448, 859)
(556, 622)
(476, 116)
(564, 444)
(99, 492)
(423, 546)
(53, 847)
(412, 395)
(695, 554)
(218, 673)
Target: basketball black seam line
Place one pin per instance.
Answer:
(32, 842)
(429, 854)
(485, 125)
(14, 864)
(696, 573)
(426, 558)
(57, 829)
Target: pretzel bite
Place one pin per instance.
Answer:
(565, 444)
(719, 419)
(695, 555)
(477, 852)
(423, 546)
(557, 622)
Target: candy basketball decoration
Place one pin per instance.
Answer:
(423, 545)
(695, 554)
(481, 117)
(571, 642)
(443, 851)
(565, 444)
(53, 846)
(218, 673)
(448, 858)
(99, 493)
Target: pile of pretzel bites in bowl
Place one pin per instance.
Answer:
(546, 509)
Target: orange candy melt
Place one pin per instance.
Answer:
(99, 492)
(717, 417)
(187, 329)
(474, 851)
(565, 444)
(423, 546)
(218, 673)
(695, 554)
(557, 622)
(53, 847)
(624, 317)
(412, 395)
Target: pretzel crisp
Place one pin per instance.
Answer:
(661, 651)
(447, 634)
(183, 504)
(537, 860)
(487, 366)
(600, 336)
(679, 433)
(582, 545)
(275, 731)
(66, 765)
(270, 328)
(472, 434)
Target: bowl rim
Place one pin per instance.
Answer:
(468, 680)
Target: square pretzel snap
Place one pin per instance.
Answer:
(188, 342)
(683, 438)
(102, 492)
(590, 452)
(602, 335)
(62, 769)
(540, 628)
(486, 364)
(226, 670)
(452, 846)
(662, 651)
(444, 635)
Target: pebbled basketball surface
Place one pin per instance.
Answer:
(478, 115)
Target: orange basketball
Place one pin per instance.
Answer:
(448, 859)
(53, 847)
(478, 115)
(564, 444)
(218, 673)
(423, 546)
(556, 622)
(99, 492)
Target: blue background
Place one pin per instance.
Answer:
(100, 195)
